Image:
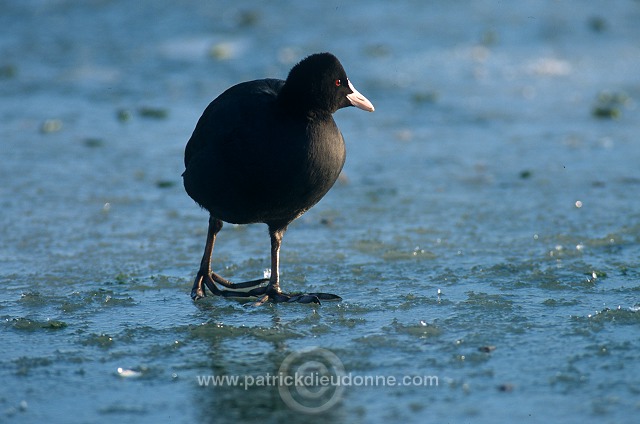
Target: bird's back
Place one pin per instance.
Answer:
(232, 112)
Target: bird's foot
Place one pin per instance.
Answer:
(256, 288)
(277, 296)
(212, 280)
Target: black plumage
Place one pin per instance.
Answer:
(266, 151)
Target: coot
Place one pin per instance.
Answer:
(266, 151)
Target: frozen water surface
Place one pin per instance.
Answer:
(486, 231)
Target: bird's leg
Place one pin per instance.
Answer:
(204, 273)
(273, 290)
(276, 242)
(206, 277)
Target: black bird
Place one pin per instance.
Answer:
(267, 151)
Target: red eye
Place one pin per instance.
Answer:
(338, 83)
